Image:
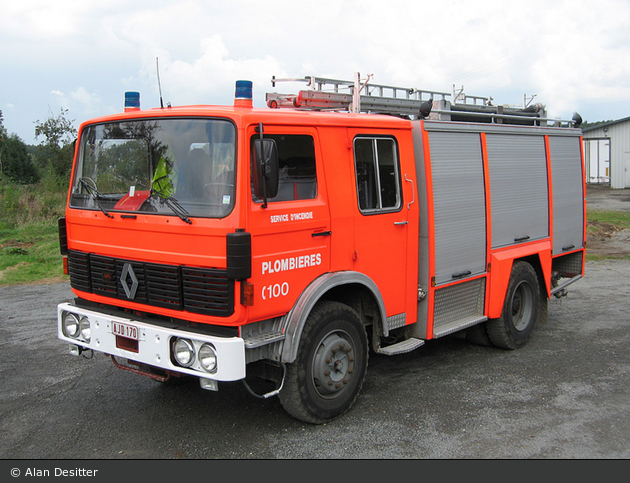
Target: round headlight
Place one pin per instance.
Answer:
(70, 325)
(208, 358)
(86, 329)
(184, 352)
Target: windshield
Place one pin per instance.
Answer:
(178, 167)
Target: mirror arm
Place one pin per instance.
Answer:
(263, 162)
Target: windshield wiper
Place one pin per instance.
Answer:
(173, 204)
(95, 194)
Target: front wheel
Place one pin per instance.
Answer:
(520, 309)
(327, 375)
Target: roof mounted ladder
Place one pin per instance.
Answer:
(340, 95)
(360, 95)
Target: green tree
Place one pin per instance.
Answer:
(56, 151)
(15, 162)
(3, 131)
(587, 124)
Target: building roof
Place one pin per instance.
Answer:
(605, 124)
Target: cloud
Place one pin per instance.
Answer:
(79, 102)
(35, 20)
(212, 75)
(85, 101)
(570, 53)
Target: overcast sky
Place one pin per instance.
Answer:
(82, 55)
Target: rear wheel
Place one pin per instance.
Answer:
(520, 309)
(478, 335)
(327, 375)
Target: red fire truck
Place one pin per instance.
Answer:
(286, 244)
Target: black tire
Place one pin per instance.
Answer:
(520, 309)
(478, 335)
(326, 377)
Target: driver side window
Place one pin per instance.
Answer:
(296, 156)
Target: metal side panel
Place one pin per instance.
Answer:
(569, 265)
(568, 196)
(568, 269)
(518, 188)
(459, 205)
(420, 328)
(458, 306)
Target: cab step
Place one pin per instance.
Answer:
(401, 347)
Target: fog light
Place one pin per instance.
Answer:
(70, 325)
(75, 350)
(86, 329)
(208, 358)
(208, 384)
(184, 352)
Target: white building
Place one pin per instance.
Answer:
(607, 153)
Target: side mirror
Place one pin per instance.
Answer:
(265, 169)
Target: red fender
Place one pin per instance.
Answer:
(501, 269)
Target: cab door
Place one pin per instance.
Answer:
(291, 235)
(382, 224)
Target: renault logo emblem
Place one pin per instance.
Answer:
(129, 275)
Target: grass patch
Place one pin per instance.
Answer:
(619, 219)
(601, 230)
(30, 254)
(29, 239)
(598, 258)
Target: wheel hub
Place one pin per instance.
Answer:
(521, 306)
(333, 364)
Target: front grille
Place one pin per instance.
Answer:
(79, 269)
(198, 290)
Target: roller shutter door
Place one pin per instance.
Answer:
(568, 196)
(459, 205)
(518, 188)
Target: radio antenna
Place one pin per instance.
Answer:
(157, 65)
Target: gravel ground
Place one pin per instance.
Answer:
(602, 198)
(564, 395)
